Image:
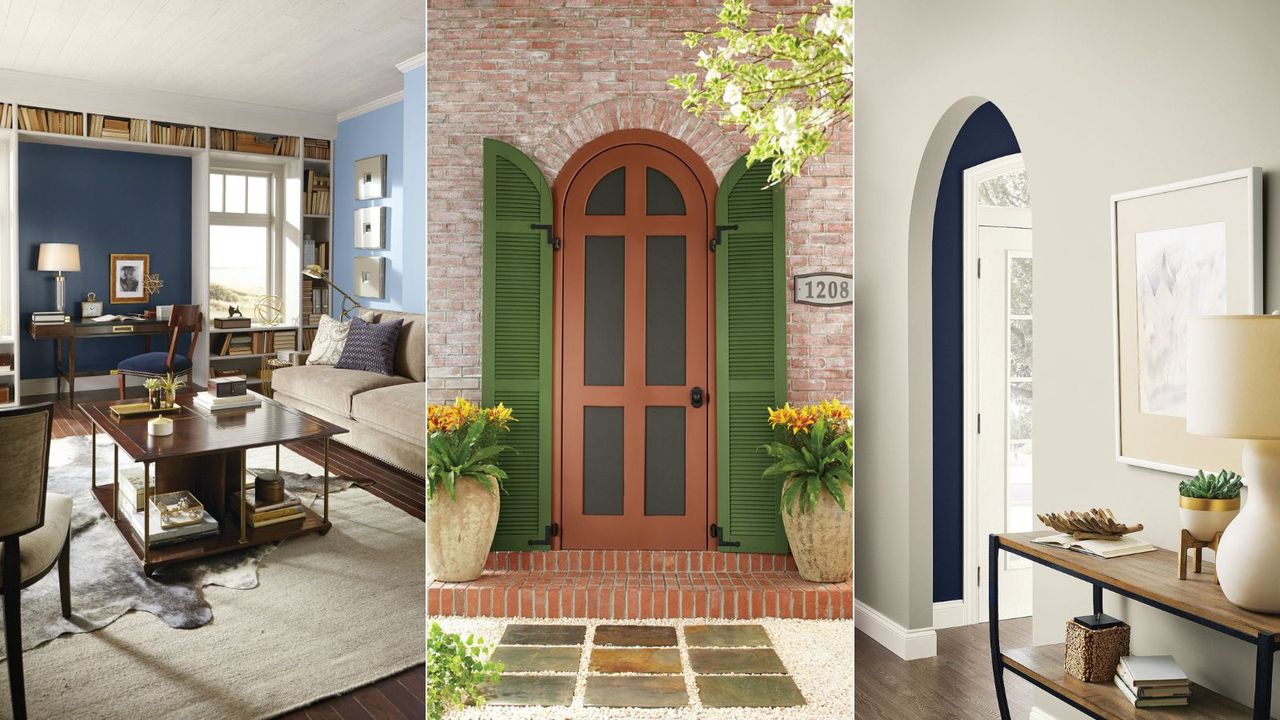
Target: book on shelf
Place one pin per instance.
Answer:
(46, 317)
(317, 189)
(60, 122)
(1151, 702)
(1142, 671)
(171, 134)
(1125, 545)
(290, 500)
(206, 527)
(315, 149)
(6, 361)
(208, 402)
(289, 510)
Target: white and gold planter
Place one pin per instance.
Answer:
(1205, 518)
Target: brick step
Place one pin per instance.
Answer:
(640, 584)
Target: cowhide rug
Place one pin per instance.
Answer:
(106, 576)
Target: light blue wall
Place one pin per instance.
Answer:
(397, 131)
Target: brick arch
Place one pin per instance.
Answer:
(715, 145)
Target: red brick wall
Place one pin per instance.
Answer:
(548, 76)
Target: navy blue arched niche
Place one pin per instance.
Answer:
(985, 136)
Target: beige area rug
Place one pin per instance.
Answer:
(331, 613)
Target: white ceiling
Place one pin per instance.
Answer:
(316, 55)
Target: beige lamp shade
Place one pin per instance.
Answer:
(1233, 376)
(63, 257)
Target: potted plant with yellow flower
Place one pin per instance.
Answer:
(463, 483)
(813, 449)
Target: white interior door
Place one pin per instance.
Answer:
(1003, 392)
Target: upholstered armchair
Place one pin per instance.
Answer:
(35, 527)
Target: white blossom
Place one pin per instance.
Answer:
(732, 94)
(713, 74)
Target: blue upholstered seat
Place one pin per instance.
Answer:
(153, 363)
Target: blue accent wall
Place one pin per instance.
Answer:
(985, 136)
(105, 201)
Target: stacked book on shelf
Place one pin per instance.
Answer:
(6, 112)
(1153, 681)
(237, 344)
(183, 135)
(49, 317)
(117, 128)
(317, 193)
(175, 517)
(61, 122)
(313, 149)
(283, 340)
(6, 361)
(308, 337)
(265, 513)
(250, 142)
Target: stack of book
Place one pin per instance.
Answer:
(5, 110)
(184, 135)
(225, 393)
(236, 344)
(48, 317)
(288, 510)
(314, 149)
(284, 340)
(129, 490)
(6, 361)
(50, 121)
(1153, 681)
(317, 197)
(117, 128)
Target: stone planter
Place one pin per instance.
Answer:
(1206, 518)
(821, 539)
(460, 532)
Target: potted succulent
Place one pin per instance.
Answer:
(813, 450)
(163, 391)
(462, 486)
(1208, 503)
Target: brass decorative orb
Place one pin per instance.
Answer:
(269, 310)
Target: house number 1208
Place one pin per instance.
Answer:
(823, 288)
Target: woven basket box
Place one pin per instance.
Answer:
(1092, 655)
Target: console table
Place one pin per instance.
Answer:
(69, 331)
(1149, 578)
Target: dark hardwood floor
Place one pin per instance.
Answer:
(399, 697)
(956, 684)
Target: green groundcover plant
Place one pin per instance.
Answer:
(456, 669)
(462, 441)
(1224, 485)
(784, 80)
(813, 446)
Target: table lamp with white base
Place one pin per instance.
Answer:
(1233, 391)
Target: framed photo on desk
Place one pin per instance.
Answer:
(128, 273)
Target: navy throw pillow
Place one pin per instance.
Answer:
(371, 347)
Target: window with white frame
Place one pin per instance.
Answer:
(244, 245)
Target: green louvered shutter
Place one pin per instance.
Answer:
(517, 337)
(751, 366)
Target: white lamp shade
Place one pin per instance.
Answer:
(1233, 376)
(59, 256)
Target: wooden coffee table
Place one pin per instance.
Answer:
(205, 455)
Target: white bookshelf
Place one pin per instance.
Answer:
(293, 224)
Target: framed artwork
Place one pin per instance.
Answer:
(128, 278)
(371, 228)
(1178, 251)
(371, 173)
(370, 275)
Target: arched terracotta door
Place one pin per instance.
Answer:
(635, 370)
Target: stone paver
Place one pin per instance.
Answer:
(515, 658)
(543, 635)
(646, 691)
(723, 691)
(545, 690)
(726, 636)
(635, 660)
(636, 636)
(751, 661)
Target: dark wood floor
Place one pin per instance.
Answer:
(956, 684)
(399, 697)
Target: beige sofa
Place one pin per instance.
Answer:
(386, 416)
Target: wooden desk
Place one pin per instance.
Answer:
(70, 331)
(1150, 578)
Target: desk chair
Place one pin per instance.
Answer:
(184, 318)
(35, 528)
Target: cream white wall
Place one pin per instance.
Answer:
(1104, 97)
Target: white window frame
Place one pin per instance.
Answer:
(272, 220)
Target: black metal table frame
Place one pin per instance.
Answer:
(1265, 643)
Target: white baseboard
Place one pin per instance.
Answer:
(948, 614)
(48, 386)
(906, 644)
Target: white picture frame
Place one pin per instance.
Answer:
(1178, 250)
(370, 276)
(371, 228)
(371, 174)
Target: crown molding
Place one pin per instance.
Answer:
(372, 105)
(97, 97)
(412, 63)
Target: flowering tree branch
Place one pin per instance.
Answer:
(786, 85)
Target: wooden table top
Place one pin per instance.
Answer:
(1154, 576)
(200, 432)
(88, 328)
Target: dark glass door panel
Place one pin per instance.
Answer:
(609, 196)
(604, 311)
(602, 430)
(665, 284)
(664, 460)
(662, 197)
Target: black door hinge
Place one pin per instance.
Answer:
(552, 240)
(550, 531)
(719, 238)
(718, 533)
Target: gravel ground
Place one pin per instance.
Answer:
(817, 653)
